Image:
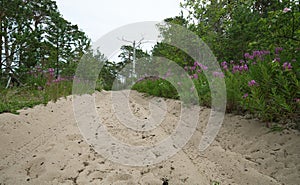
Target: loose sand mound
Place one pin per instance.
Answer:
(43, 145)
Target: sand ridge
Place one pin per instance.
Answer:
(43, 145)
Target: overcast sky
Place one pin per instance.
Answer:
(98, 17)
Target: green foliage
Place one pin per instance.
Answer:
(14, 99)
(264, 86)
(40, 51)
(34, 34)
(156, 87)
(231, 28)
(262, 83)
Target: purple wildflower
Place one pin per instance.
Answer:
(141, 79)
(277, 59)
(203, 67)
(246, 55)
(218, 74)
(278, 49)
(224, 65)
(235, 68)
(38, 68)
(245, 95)
(285, 10)
(196, 63)
(287, 66)
(51, 71)
(225, 68)
(265, 52)
(256, 53)
(252, 83)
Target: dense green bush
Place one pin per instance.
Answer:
(156, 87)
(265, 84)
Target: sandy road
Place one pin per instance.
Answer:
(43, 145)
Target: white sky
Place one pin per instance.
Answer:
(98, 17)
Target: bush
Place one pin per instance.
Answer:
(265, 84)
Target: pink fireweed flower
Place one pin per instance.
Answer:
(277, 59)
(287, 66)
(141, 79)
(285, 10)
(51, 71)
(195, 76)
(186, 68)
(256, 53)
(193, 68)
(265, 52)
(196, 64)
(218, 74)
(297, 100)
(56, 80)
(203, 67)
(199, 71)
(224, 65)
(246, 67)
(252, 83)
(246, 55)
(245, 95)
(38, 69)
(235, 68)
(278, 49)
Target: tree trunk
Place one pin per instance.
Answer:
(6, 50)
(1, 47)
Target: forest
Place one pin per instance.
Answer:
(256, 43)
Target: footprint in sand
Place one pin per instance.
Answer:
(35, 168)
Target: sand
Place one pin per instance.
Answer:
(44, 145)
